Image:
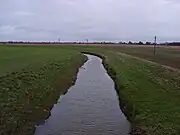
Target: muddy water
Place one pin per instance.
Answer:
(90, 107)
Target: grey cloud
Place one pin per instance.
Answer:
(102, 20)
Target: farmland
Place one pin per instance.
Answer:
(149, 93)
(169, 56)
(31, 80)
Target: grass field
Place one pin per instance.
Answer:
(149, 93)
(31, 80)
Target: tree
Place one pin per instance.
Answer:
(148, 43)
(140, 43)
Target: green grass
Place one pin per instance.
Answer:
(149, 93)
(153, 91)
(31, 80)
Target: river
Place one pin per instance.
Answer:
(90, 107)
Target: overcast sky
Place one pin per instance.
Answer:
(96, 20)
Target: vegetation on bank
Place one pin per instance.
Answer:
(31, 80)
(152, 93)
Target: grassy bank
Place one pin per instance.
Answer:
(31, 80)
(149, 94)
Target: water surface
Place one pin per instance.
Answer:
(90, 107)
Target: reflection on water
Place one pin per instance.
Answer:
(90, 107)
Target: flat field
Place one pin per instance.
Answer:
(149, 92)
(169, 56)
(31, 80)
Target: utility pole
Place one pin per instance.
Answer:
(155, 40)
(59, 39)
(87, 41)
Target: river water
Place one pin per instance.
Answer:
(90, 107)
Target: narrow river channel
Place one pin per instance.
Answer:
(90, 107)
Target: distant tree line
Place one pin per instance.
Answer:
(173, 44)
(127, 43)
(136, 43)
